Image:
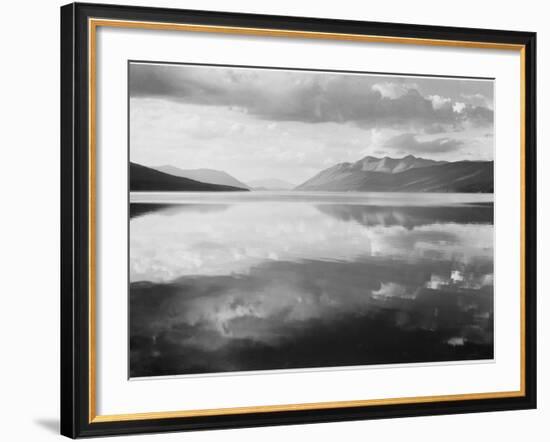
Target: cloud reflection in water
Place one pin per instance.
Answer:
(295, 284)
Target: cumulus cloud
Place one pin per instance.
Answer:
(458, 107)
(439, 102)
(393, 90)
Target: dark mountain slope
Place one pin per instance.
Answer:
(460, 176)
(144, 179)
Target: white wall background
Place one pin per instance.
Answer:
(29, 238)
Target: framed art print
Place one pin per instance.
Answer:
(271, 220)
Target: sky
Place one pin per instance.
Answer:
(260, 124)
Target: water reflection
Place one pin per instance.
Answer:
(295, 284)
(169, 209)
(410, 217)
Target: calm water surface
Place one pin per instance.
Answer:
(272, 280)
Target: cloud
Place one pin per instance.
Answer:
(278, 95)
(456, 341)
(190, 242)
(479, 115)
(394, 290)
(301, 314)
(477, 99)
(194, 136)
(458, 107)
(410, 143)
(439, 102)
(393, 90)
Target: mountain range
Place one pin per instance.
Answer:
(407, 174)
(211, 176)
(370, 174)
(146, 179)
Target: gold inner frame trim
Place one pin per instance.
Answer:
(93, 24)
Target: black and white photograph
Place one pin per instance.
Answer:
(285, 219)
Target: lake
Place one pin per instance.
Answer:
(240, 281)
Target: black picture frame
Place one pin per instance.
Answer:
(75, 220)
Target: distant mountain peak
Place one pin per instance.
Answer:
(387, 157)
(271, 184)
(212, 176)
